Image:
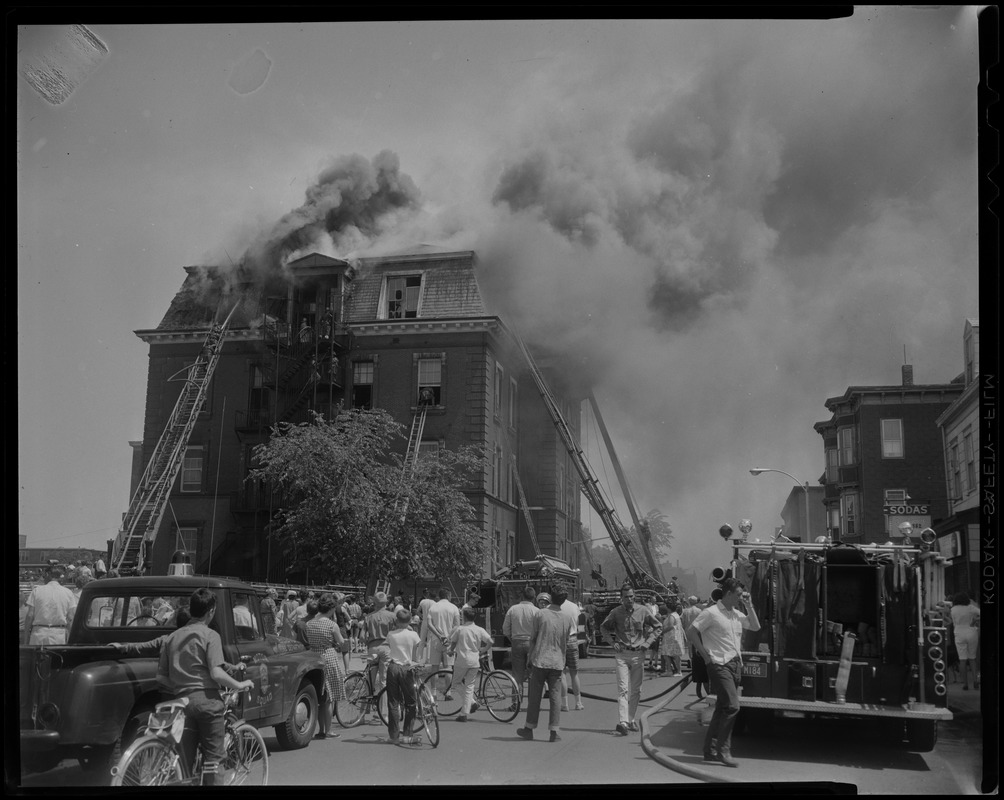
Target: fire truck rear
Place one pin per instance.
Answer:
(845, 631)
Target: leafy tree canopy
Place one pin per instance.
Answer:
(604, 555)
(349, 513)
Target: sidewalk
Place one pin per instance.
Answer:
(964, 705)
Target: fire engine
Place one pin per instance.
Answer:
(846, 630)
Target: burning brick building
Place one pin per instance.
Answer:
(391, 332)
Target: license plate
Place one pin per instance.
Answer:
(755, 670)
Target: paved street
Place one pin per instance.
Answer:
(487, 752)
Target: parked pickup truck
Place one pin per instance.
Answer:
(86, 700)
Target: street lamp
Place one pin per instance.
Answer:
(803, 486)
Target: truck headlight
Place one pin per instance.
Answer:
(48, 715)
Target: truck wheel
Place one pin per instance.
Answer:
(42, 762)
(103, 758)
(100, 759)
(922, 734)
(757, 721)
(298, 729)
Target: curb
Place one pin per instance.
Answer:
(666, 760)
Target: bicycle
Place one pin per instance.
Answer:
(359, 697)
(158, 757)
(496, 689)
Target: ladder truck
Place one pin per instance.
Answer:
(140, 523)
(647, 583)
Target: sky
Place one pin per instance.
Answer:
(715, 224)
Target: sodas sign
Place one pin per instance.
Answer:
(906, 510)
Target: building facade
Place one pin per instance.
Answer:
(804, 514)
(884, 462)
(396, 332)
(959, 533)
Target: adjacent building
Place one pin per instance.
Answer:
(884, 459)
(959, 532)
(396, 332)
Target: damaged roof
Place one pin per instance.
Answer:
(449, 289)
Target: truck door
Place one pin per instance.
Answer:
(254, 651)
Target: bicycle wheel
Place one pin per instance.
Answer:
(246, 762)
(501, 695)
(382, 701)
(148, 762)
(427, 714)
(381, 704)
(446, 703)
(350, 709)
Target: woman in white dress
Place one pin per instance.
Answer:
(672, 647)
(966, 622)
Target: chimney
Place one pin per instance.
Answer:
(908, 374)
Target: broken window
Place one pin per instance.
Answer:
(402, 296)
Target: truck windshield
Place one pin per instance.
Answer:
(135, 611)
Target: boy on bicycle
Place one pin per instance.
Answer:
(191, 664)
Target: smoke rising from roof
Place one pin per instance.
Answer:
(721, 252)
(352, 202)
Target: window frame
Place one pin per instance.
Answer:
(969, 453)
(513, 399)
(356, 384)
(847, 444)
(955, 475)
(185, 485)
(832, 464)
(499, 379)
(384, 311)
(438, 389)
(849, 520)
(889, 443)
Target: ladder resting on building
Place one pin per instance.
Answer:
(149, 502)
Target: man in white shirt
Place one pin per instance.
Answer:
(50, 610)
(439, 622)
(467, 642)
(717, 637)
(518, 627)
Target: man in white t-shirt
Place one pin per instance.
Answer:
(401, 642)
(439, 622)
(717, 637)
(467, 642)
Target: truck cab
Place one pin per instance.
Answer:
(87, 699)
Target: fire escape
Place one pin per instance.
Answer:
(304, 345)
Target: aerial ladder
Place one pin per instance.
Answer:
(149, 502)
(640, 525)
(637, 575)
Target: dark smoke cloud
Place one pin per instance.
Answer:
(352, 202)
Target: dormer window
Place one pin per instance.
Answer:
(403, 293)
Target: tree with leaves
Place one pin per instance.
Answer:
(660, 537)
(349, 510)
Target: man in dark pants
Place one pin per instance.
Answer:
(716, 635)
